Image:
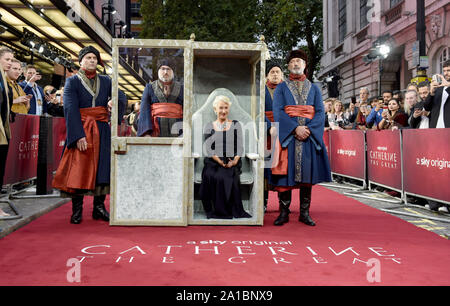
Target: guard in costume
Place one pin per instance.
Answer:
(300, 159)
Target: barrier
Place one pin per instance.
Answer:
(426, 163)
(410, 161)
(384, 159)
(347, 154)
(21, 163)
(59, 139)
(22, 160)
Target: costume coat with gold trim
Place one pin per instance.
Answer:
(307, 160)
(79, 94)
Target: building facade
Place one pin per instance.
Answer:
(350, 29)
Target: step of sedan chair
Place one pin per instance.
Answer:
(204, 115)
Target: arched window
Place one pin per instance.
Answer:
(445, 55)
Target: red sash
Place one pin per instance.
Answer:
(78, 169)
(269, 115)
(164, 110)
(280, 157)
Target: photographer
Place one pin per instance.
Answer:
(53, 98)
(374, 118)
(393, 117)
(38, 105)
(336, 118)
(418, 117)
(438, 101)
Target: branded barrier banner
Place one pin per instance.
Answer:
(384, 164)
(21, 163)
(59, 138)
(426, 163)
(348, 155)
(22, 160)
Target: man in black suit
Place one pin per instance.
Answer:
(438, 102)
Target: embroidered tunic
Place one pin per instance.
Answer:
(307, 160)
(154, 94)
(81, 92)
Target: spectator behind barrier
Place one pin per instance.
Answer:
(374, 118)
(360, 121)
(328, 106)
(438, 100)
(410, 101)
(53, 98)
(6, 97)
(38, 105)
(363, 96)
(393, 117)
(419, 117)
(397, 94)
(21, 101)
(412, 86)
(424, 90)
(351, 112)
(132, 118)
(336, 118)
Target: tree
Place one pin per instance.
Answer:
(233, 20)
(287, 24)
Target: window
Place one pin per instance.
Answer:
(363, 9)
(342, 22)
(136, 9)
(445, 55)
(395, 2)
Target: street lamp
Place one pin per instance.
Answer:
(384, 50)
(380, 50)
(108, 10)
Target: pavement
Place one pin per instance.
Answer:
(26, 206)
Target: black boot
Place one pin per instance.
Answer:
(284, 199)
(305, 202)
(99, 211)
(77, 210)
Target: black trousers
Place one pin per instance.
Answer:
(3, 157)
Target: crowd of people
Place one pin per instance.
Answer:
(20, 94)
(412, 107)
(419, 106)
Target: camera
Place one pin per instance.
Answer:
(437, 79)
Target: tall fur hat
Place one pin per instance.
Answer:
(297, 54)
(90, 49)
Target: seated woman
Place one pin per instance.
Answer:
(220, 188)
(393, 117)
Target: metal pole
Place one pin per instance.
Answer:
(420, 27)
(380, 71)
(421, 30)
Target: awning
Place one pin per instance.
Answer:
(67, 29)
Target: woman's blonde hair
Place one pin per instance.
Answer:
(218, 99)
(336, 101)
(406, 106)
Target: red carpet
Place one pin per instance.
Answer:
(335, 252)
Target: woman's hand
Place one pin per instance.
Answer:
(21, 99)
(232, 162)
